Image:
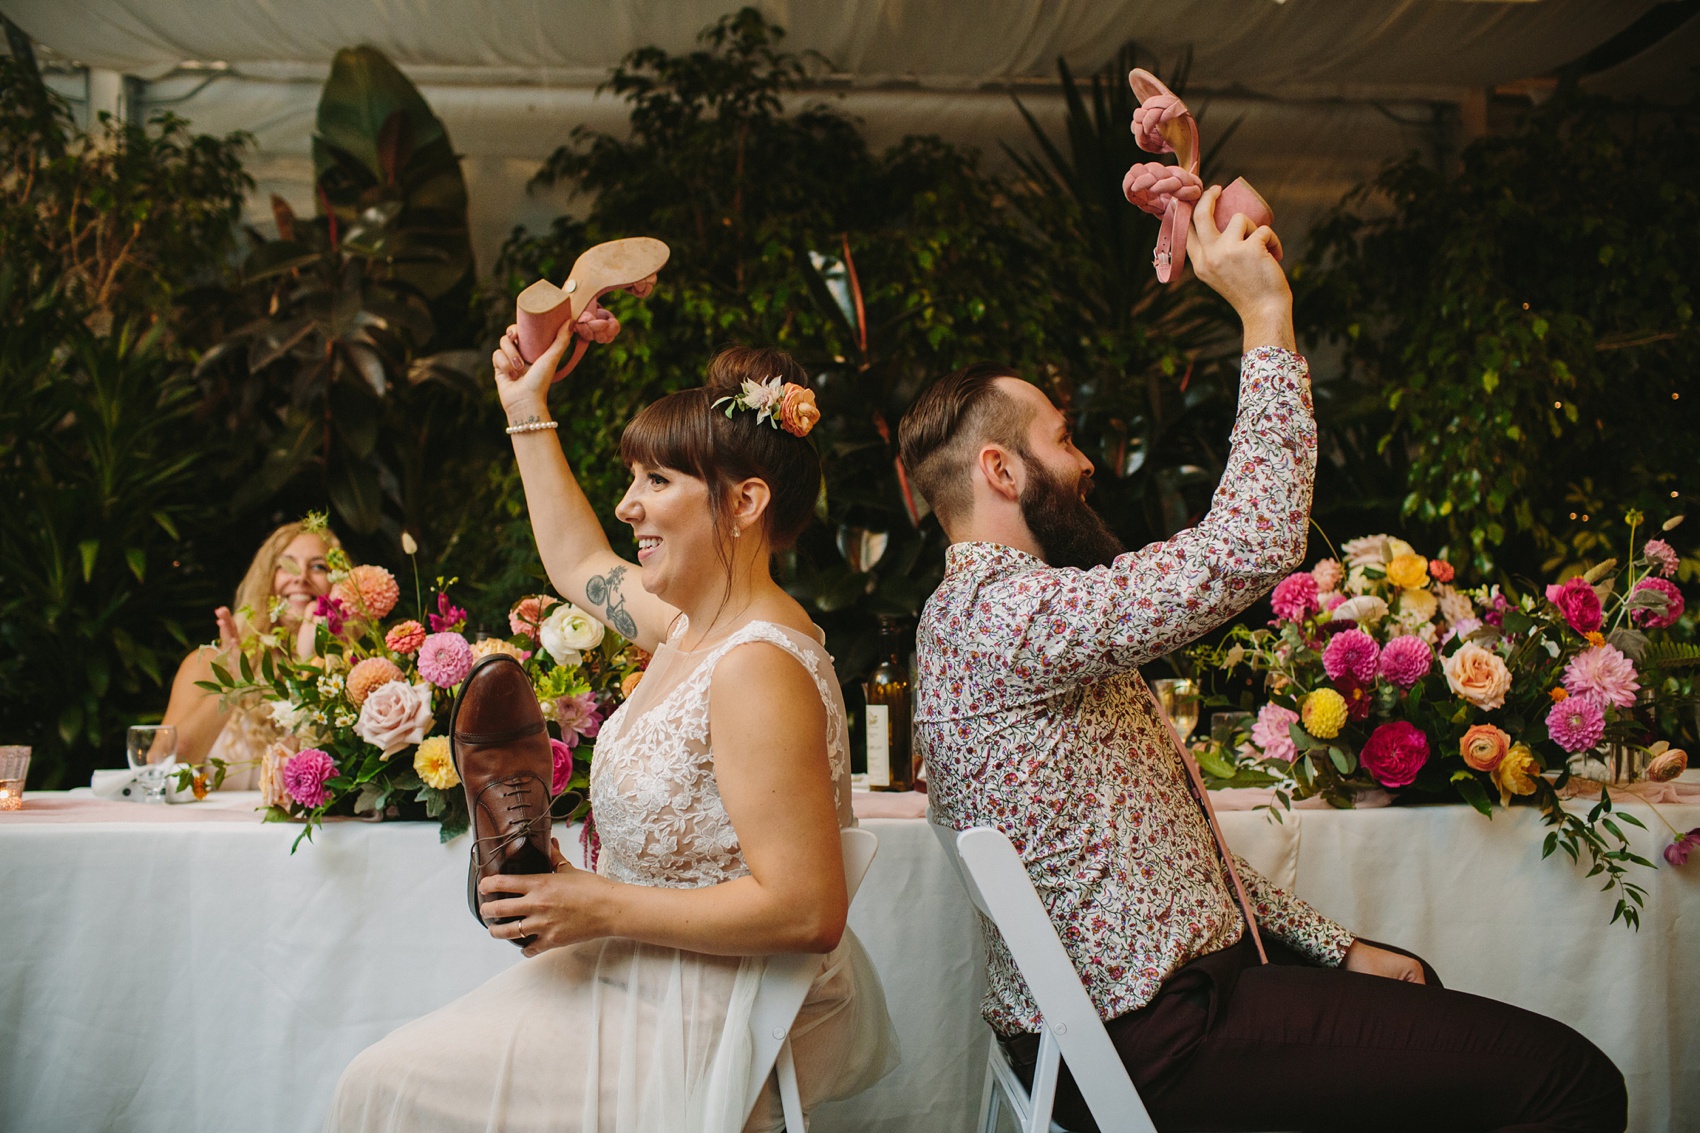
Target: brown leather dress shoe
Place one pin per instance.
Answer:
(501, 751)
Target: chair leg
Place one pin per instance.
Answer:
(1046, 1070)
(790, 1100)
(989, 1094)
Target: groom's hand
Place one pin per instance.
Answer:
(1237, 264)
(1373, 961)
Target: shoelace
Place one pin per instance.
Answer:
(519, 791)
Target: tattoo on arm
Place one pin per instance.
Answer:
(604, 590)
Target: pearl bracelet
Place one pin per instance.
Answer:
(533, 427)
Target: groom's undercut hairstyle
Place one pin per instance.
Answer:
(941, 434)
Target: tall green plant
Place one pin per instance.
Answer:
(325, 372)
(1528, 322)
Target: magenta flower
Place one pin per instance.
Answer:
(1295, 597)
(1602, 674)
(1394, 753)
(1650, 616)
(1405, 661)
(579, 717)
(1494, 613)
(562, 756)
(305, 774)
(448, 616)
(1578, 603)
(1662, 555)
(1677, 852)
(333, 611)
(1576, 723)
(1271, 732)
(1352, 653)
(445, 659)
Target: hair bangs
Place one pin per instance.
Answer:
(676, 432)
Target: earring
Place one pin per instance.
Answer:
(737, 531)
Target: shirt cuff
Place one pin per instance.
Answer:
(1273, 373)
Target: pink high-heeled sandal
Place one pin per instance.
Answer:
(1163, 124)
(630, 264)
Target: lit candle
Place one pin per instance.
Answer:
(11, 797)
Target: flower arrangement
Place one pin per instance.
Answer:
(1378, 671)
(366, 718)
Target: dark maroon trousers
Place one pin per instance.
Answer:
(1230, 1044)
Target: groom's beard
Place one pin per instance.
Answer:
(1069, 532)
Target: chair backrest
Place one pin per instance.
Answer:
(998, 884)
(785, 983)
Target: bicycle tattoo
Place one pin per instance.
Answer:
(604, 591)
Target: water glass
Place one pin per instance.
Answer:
(1180, 701)
(14, 769)
(152, 751)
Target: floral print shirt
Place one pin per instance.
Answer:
(1033, 718)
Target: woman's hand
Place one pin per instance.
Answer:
(1373, 961)
(307, 638)
(560, 908)
(229, 637)
(524, 390)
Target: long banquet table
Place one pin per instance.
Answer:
(187, 973)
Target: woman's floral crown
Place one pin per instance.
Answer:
(783, 405)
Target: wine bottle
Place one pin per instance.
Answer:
(888, 719)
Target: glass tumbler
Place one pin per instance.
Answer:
(152, 751)
(1180, 699)
(14, 769)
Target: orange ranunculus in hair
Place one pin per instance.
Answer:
(1484, 746)
(798, 412)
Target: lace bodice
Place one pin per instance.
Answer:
(652, 788)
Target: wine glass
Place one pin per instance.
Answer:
(1179, 699)
(152, 751)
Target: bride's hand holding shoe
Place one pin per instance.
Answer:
(557, 908)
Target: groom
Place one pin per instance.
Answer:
(1233, 1004)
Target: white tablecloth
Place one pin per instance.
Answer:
(194, 976)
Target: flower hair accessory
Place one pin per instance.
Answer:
(783, 405)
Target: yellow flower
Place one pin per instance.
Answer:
(1516, 773)
(1323, 713)
(1596, 639)
(1418, 605)
(496, 645)
(1408, 572)
(435, 765)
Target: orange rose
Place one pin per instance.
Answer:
(1483, 746)
(1478, 676)
(797, 411)
(629, 683)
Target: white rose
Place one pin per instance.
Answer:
(568, 632)
(286, 714)
(395, 715)
(1365, 609)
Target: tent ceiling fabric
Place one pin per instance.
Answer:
(1300, 47)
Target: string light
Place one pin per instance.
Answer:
(1558, 405)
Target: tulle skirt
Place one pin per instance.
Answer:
(613, 1036)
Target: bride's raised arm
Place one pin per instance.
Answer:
(582, 566)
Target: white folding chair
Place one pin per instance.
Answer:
(998, 885)
(784, 986)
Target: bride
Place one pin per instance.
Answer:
(719, 789)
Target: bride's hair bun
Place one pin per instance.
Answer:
(684, 431)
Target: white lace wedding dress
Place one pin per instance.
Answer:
(613, 1036)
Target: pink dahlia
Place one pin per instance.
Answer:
(1677, 852)
(448, 616)
(305, 774)
(1406, 660)
(1578, 603)
(1576, 723)
(527, 614)
(1295, 597)
(1650, 616)
(1603, 674)
(562, 756)
(1351, 653)
(1328, 574)
(405, 638)
(1662, 555)
(445, 659)
(1394, 753)
(1272, 734)
(580, 717)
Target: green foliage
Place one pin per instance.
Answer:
(323, 373)
(1527, 322)
(100, 475)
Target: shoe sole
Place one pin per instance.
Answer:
(542, 308)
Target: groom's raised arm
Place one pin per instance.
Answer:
(1055, 626)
